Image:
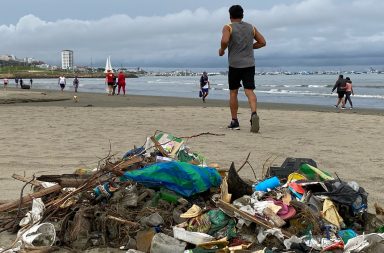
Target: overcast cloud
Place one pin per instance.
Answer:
(298, 33)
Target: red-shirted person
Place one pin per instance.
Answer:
(121, 82)
(109, 80)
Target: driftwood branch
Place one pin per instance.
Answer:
(201, 134)
(28, 198)
(24, 179)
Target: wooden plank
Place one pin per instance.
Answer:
(279, 222)
(159, 147)
(232, 209)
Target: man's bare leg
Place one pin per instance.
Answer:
(233, 103)
(252, 99)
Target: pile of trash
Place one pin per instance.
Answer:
(162, 197)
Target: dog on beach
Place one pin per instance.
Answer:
(75, 99)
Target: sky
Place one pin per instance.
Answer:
(186, 33)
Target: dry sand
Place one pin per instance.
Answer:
(59, 136)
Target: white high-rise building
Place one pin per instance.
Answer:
(67, 59)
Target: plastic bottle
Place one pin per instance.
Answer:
(270, 183)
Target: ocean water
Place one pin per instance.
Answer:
(290, 89)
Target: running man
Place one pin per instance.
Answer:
(241, 39)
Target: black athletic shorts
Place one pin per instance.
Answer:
(244, 76)
(341, 93)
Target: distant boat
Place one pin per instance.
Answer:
(108, 65)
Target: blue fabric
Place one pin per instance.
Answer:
(132, 152)
(183, 178)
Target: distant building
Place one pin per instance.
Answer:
(29, 60)
(67, 59)
(6, 57)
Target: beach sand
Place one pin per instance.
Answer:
(57, 137)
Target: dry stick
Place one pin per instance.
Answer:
(264, 165)
(80, 188)
(188, 137)
(84, 186)
(200, 134)
(60, 201)
(28, 198)
(21, 199)
(56, 203)
(124, 221)
(246, 160)
(107, 157)
(183, 137)
(87, 185)
(267, 161)
(254, 173)
(7, 225)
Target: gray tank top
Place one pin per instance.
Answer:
(240, 47)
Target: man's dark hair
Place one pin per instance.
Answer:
(236, 11)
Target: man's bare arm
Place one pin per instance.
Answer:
(224, 39)
(260, 41)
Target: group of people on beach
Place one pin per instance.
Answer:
(17, 82)
(112, 82)
(62, 82)
(240, 38)
(343, 88)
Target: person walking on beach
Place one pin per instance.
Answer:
(241, 39)
(75, 83)
(5, 82)
(121, 82)
(62, 82)
(31, 81)
(340, 89)
(21, 82)
(109, 81)
(204, 85)
(348, 92)
(17, 82)
(114, 85)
